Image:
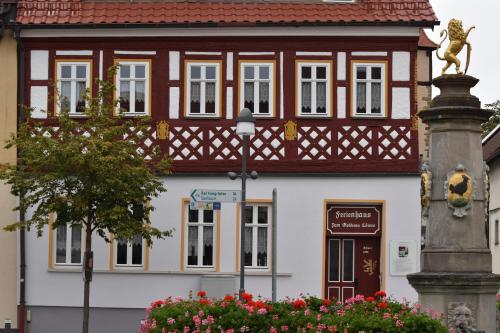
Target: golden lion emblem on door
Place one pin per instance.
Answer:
(458, 39)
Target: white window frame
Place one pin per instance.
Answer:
(383, 89)
(203, 80)
(73, 80)
(200, 224)
(256, 91)
(129, 255)
(255, 226)
(313, 80)
(68, 247)
(132, 80)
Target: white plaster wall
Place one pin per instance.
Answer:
(401, 66)
(39, 65)
(341, 102)
(400, 103)
(173, 65)
(173, 102)
(300, 239)
(38, 98)
(494, 211)
(341, 66)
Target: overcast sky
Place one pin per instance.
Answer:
(485, 40)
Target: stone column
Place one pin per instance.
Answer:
(456, 270)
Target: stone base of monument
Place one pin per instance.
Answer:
(449, 293)
(456, 276)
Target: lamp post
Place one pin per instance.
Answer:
(245, 127)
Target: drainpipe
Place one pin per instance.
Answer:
(21, 314)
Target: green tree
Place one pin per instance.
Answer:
(89, 173)
(494, 120)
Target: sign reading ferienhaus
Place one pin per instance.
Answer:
(353, 220)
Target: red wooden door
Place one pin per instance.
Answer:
(352, 267)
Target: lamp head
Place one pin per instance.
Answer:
(254, 174)
(232, 175)
(245, 123)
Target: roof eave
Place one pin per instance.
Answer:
(420, 24)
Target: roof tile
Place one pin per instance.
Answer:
(417, 12)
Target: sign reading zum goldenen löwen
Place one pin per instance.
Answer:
(353, 220)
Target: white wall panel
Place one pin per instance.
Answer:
(38, 101)
(229, 66)
(341, 66)
(173, 65)
(229, 103)
(173, 104)
(341, 102)
(400, 103)
(39, 65)
(401, 66)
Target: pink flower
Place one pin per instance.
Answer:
(387, 315)
(323, 309)
(171, 321)
(273, 330)
(307, 312)
(262, 311)
(309, 326)
(399, 323)
(186, 329)
(284, 328)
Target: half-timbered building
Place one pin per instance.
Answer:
(333, 86)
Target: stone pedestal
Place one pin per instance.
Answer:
(456, 261)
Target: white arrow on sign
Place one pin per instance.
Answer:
(215, 195)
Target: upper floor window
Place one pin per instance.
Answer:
(313, 88)
(130, 253)
(257, 236)
(69, 244)
(257, 87)
(369, 89)
(133, 82)
(203, 89)
(73, 80)
(200, 238)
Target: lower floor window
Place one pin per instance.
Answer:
(69, 244)
(256, 247)
(129, 253)
(200, 242)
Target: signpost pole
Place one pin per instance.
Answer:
(274, 236)
(243, 214)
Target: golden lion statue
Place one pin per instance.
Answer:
(458, 38)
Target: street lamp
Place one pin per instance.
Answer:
(245, 127)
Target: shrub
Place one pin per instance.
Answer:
(306, 314)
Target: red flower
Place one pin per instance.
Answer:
(382, 305)
(299, 303)
(247, 297)
(228, 298)
(202, 293)
(380, 293)
(204, 301)
(260, 304)
(370, 299)
(327, 302)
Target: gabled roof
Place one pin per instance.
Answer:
(226, 12)
(491, 144)
(424, 42)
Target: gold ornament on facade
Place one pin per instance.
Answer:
(425, 188)
(162, 130)
(290, 130)
(459, 191)
(458, 39)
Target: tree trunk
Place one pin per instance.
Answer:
(87, 272)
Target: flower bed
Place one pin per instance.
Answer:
(306, 314)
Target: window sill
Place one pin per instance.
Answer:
(310, 116)
(189, 272)
(203, 116)
(367, 116)
(132, 115)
